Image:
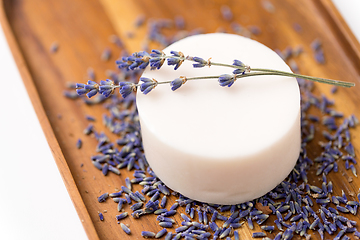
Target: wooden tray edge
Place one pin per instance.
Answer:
(350, 43)
(46, 127)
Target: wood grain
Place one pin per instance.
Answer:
(82, 29)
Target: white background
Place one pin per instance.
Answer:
(34, 203)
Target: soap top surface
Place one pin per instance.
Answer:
(204, 119)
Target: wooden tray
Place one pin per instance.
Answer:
(82, 29)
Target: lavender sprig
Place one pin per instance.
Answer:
(156, 59)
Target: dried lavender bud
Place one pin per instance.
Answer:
(101, 216)
(103, 197)
(177, 59)
(78, 143)
(200, 62)
(147, 85)
(121, 216)
(106, 54)
(157, 59)
(125, 228)
(54, 47)
(227, 80)
(148, 234)
(226, 13)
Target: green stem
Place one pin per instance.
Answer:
(268, 72)
(316, 79)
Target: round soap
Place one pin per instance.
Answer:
(223, 145)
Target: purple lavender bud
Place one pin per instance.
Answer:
(79, 143)
(80, 85)
(106, 54)
(91, 73)
(258, 234)
(225, 233)
(54, 47)
(81, 91)
(105, 169)
(148, 234)
(147, 85)
(350, 149)
(92, 93)
(238, 63)
(174, 61)
(316, 45)
(161, 233)
(178, 82)
(156, 53)
(136, 206)
(125, 228)
(254, 30)
(179, 22)
(200, 62)
(226, 80)
(166, 224)
(101, 216)
(140, 20)
(126, 88)
(121, 216)
(103, 197)
(226, 13)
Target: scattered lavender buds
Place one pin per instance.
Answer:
(316, 46)
(294, 207)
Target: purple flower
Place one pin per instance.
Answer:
(147, 85)
(126, 88)
(240, 64)
(80, 85)
(226, 80)
(142, 59)
(226, 12)
(81, 91)
(103, 197)
(123, 63)
(136, 60)
(90, 89)
(157, 59)
(178, 82)
(179, 22)
(200, 62)
(106, 88)
(177, 60)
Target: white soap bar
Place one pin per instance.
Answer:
(223, 145)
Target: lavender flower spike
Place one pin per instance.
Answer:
(178, 82)
(147, 85)
(126, 88)
(227, 80)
